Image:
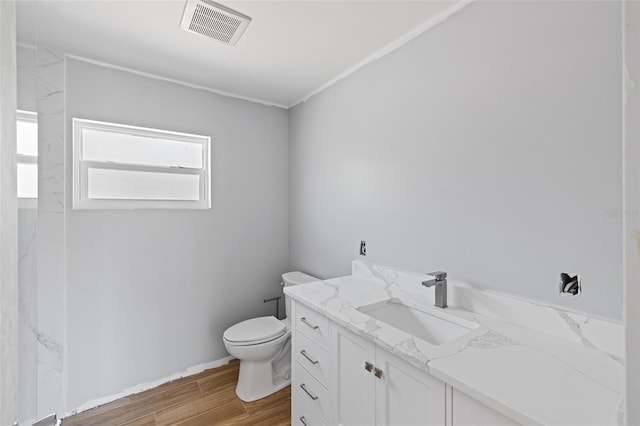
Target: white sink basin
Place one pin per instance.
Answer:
(426, 323)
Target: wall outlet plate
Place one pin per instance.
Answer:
(363, 248)
(570, 285)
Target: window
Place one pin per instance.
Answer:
(27, 160)
(126, 167)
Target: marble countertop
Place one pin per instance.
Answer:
(529, 375)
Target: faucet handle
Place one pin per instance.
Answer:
(440, 275)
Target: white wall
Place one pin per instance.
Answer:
(26, 77)
(27, 292)
(51, 233)
(489, 147)
(27, 259)
(8, 218)
(150, 292)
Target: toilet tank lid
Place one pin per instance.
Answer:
(297, 277)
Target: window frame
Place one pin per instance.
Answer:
(80, 169)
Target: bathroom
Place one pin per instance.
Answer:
(493, 140)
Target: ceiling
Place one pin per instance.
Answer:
(290, 49)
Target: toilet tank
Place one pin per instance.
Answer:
(294, 278)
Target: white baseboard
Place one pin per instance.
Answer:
(190, 371)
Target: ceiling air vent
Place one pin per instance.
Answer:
(214, 20)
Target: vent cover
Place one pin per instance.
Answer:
(214, 20)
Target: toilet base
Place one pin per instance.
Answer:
(265, 367)
(256, 380)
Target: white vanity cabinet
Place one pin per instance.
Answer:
(340, 378)
(470, 412)
(311, 366)
(370, 386)
(352, 386)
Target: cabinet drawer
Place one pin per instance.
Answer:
(309, 390)
(302, 415)
(313, 358)
(313, 325)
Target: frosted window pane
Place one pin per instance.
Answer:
(109, 184)
(27, 136)
(100, 145)
(27, 180)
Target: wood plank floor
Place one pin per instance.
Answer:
(208, 398)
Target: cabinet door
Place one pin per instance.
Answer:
(406, 395)
(469, 412)
(352, 386)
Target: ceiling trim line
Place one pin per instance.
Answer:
(175, 81)
(394, 45)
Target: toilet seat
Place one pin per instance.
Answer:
(255, 331)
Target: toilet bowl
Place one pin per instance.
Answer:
(263, 346)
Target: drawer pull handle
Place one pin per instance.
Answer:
(304, 354)
(368, 366)
(304, 388)
(304, 320)
(377, 373)
(302, 419)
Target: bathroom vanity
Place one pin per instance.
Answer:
(370, 349)
(342, 378)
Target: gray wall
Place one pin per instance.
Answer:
(150, 292)
(489, 147)
(632, 213)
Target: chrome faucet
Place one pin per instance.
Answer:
(440, 281)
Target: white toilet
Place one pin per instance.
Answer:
(263, 346)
